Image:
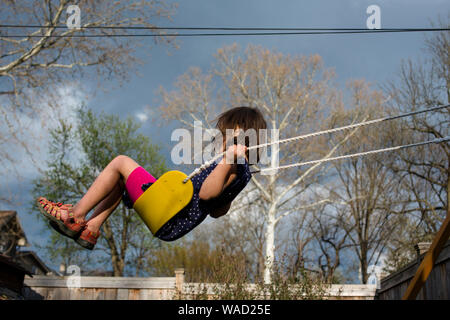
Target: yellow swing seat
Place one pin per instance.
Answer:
(164, 199)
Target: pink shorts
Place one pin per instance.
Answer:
(136, 179)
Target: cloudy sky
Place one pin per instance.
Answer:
(374, 57)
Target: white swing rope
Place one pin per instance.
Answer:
(318, 133)
(359, 154)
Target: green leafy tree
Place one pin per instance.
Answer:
(76, 156)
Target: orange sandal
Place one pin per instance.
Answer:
(88, 239)
(61, 217)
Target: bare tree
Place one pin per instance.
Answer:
(45, 55)
(331, 239)
(424, 171)
(365, 187)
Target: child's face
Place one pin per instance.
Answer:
(235, 135)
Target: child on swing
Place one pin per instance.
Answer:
(214, 189)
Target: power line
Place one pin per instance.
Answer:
(206, 34)
(279, 31)
(220, 28)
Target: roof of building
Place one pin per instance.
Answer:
(10, 220)
(11, 263)
(22, 256)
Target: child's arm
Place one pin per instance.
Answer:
(220, 211)
(215, 182)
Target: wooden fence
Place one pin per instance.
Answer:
(392, 287)
(437, 286)
(333, 292)
(118, 288)
(100, 288)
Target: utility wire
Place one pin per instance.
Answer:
(298, 31)
(218, 28)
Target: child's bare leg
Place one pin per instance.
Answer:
(116, 171)
(106, 207)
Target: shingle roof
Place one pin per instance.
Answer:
(10, 219)
(21, 255)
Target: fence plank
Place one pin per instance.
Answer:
(122, 294)
(60, 294)
(133, 294)
(110, 294)
(99, 294)
(87, 294)
(144, 294)
(446, 277)
(74, 293)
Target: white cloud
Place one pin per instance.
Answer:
(145, 113)
(142, 116)
(32, 128)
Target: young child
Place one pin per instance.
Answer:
(214, 189)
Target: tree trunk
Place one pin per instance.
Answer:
(270, 245)
(117, 263)
(271, 218)
(364, 277)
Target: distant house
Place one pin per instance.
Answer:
(11, 278)
(31, 261)
(12, 235)
(12, 239)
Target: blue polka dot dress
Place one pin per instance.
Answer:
(197, 210)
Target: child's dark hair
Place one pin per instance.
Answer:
(243, 117)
